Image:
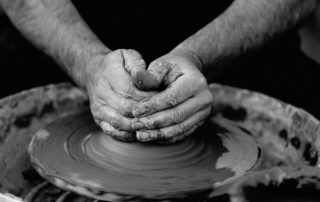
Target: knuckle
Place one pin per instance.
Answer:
(202, 81)
(156, 124)
(171, 100)
(181, 129)
(140, 63)
(129, 92)
(177, 117)
(125, 109)
(159, 134)
(151, 108)
(113, 121)
(159, 67)
(151, 124)
(164, 64)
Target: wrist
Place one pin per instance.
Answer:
(87, 65)
(190, 54)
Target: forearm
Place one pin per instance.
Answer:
(244, 26)
(56, 27)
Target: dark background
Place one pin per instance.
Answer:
(153, 28)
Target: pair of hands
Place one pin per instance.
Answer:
(127, 103)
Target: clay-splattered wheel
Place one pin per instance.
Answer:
(288, 136)
(285, 184)
(74, 154)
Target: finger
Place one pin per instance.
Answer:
(121, 81)
(174, 115)
(133, 61)
(132, 93)
(136, 67)
(181, 137)
(175, 130)
(107, 114)
(155, 75)
(115, 100)
(164, 72)
(110, 130)
(120, 104)
(181, 90)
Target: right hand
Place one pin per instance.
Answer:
(113, 93)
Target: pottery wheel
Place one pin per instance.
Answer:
(74, 154)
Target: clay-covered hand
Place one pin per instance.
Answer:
(178, 109)
(112, 92)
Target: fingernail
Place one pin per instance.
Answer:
(143, 136)
(137, 125)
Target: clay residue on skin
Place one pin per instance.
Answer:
(78, 152)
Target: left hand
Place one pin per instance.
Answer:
(180, 108)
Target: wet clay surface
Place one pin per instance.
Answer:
(75, 154)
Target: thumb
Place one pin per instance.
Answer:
(158, 71)
(136, 67)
